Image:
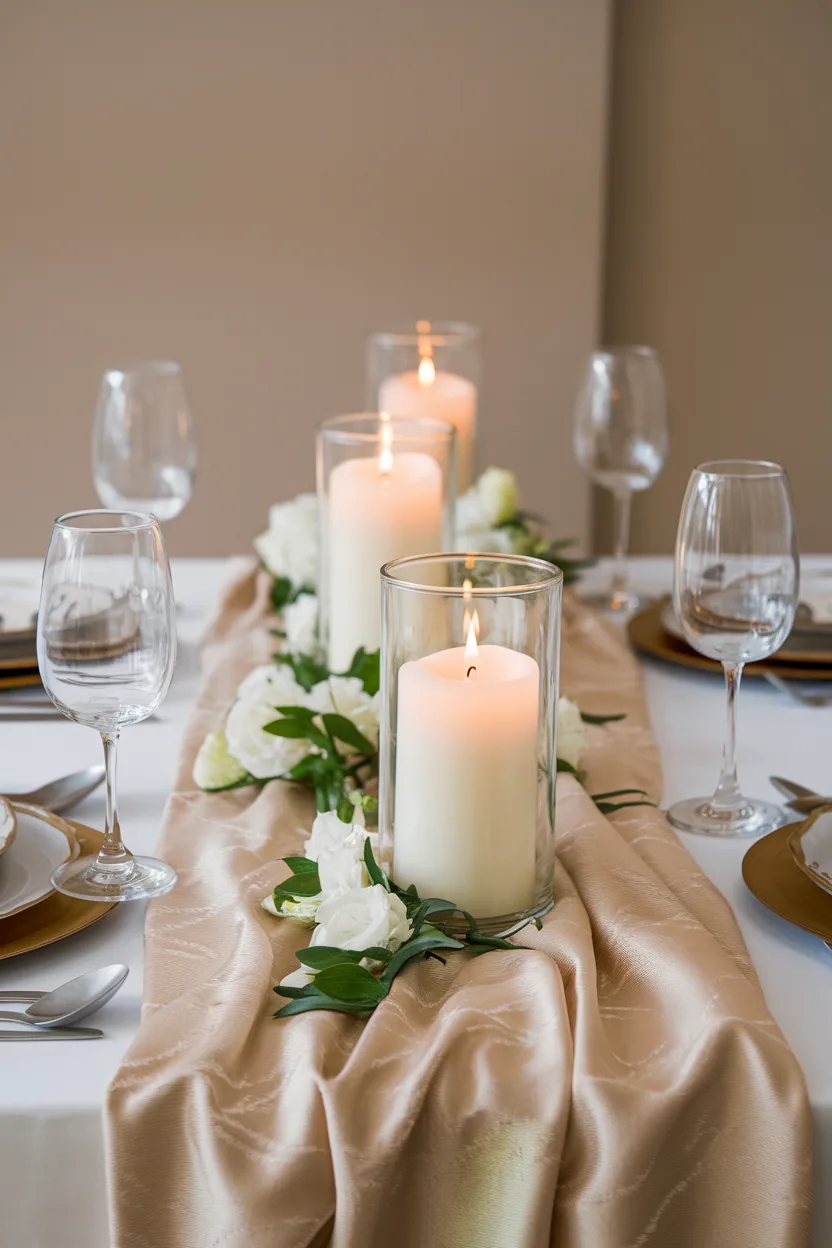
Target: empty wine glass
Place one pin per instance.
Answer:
(735, 589)
(143, 450)
(620, 440)
(106, 652)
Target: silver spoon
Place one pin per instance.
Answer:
(797, 695)
(73, 1000)
(60, 794)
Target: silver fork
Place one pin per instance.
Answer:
(797, 695)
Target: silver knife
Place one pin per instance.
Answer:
(53, 1033)
(800, 798)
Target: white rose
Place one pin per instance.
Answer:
(362, 918)
(571, 732)
(343, 869)
(475, 519)
(345, 694)
(338, 849)
(470, 512)
(304, 909)
(289, 547)
(297, 979)
(485, 541)
(261, 753)
(300, 623)
(278, 680)
(328, 835)
(499, 495)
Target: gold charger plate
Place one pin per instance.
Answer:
(21, 680)
(775, 879)
(17, 658)
(56, 916)
(648, 634)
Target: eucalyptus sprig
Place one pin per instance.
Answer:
(342, 982)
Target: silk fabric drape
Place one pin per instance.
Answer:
(617, 1082)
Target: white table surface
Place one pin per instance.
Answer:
(52, 1184)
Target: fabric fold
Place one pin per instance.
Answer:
(614, 1082)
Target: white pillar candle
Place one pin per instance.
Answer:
(466, 778)
(378, 509)
(437, 395)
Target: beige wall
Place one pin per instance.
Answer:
(719, 248)
(249, 187)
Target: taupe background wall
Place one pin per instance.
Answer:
(249, 187)
(719, 244)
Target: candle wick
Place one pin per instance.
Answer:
(471, 669)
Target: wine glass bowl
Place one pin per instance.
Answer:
(736, 583)
(144, 452)
(106, 641)
(621, 439)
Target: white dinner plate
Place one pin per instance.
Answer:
(8, 825)
(43, 842)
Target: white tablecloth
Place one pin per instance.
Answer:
(52, 1182)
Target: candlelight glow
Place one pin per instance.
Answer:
(469, 621)
(427, 371)
(471, 647)
(385, 459)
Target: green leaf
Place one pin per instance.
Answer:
(429, 939)
(367, 668)
(345, 730)
(306, 885)
(301, 866)
(345, 810)
(562, 765)
(488, 942)
(321, 1002)
(300, 713)
(618, 793)
(373, 869)
(321, 957)
(281, 592)
(284, 990)
(307, 670)
(298, 731)
(609, 808)
(602, 719)
(352, 983)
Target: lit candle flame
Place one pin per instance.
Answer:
(471, 647)
(385, 459)
(469, 621)
(427, 371)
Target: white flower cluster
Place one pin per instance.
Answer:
(571, 733)
(349, 912)
(265, 756)
(289, 546)
(492, 500)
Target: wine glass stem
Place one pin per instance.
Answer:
(727, 796)
(112, 852)
(621, 531)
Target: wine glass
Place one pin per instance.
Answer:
(620, 441)
(106, 652)
(735, 589)
(143, 448)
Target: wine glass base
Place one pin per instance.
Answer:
(136, 880)
(618, 607)
(754, 818)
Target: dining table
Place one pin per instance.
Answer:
(53, 1181)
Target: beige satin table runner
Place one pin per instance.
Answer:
(617, 1082)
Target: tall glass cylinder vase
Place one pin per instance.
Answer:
(469, 693)
(385, 489)
(430, 369)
